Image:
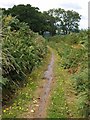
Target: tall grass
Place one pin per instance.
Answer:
(22, 51)
(73, 50)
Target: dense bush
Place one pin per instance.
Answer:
(73, 50)
(23, 50)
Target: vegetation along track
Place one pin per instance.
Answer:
(23, 53)
(40, 101)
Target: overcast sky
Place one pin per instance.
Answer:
(80, 6)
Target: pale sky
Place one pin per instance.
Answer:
(80, 6)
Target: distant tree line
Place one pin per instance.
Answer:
(52, 20)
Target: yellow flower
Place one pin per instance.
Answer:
(7, 108)
(4, 110)
(20, 108)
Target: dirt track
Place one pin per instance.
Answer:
(48, 76)
(38, 108)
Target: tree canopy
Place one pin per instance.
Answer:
(66, 21)
(51, 20)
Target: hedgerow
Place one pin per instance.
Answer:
(73, 50)
(22, 51)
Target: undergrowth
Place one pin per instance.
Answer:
(23, 50)
(24, 96)
(73, 51)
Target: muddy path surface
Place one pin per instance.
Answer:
(41, 99)
(48, 76)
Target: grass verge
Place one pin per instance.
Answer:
(63, 98)
(25, 95)
(58, 106)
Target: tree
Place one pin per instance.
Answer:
(63, 21)
(28, 14)
(37, 21)
(49, 23)
(67, 21)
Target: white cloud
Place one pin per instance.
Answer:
(80, 6)
(89, 15)
(71, 6)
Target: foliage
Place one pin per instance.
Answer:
(73, 50)
(23, 50)
(51, 20)
(58, 106)
(24, 97)
(37, 21)
(66, 21)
